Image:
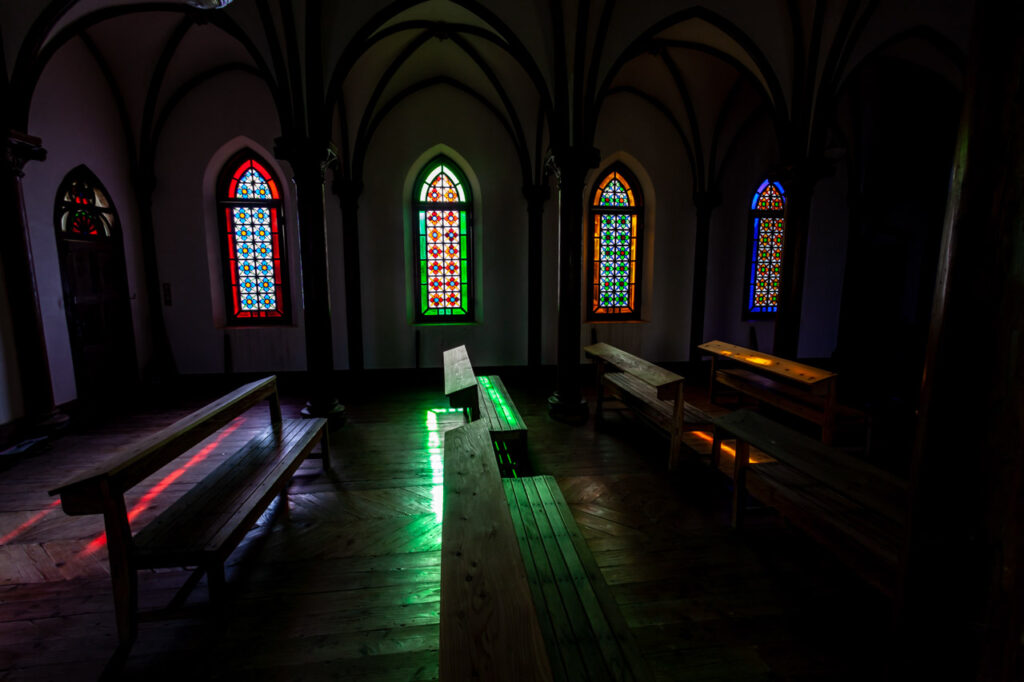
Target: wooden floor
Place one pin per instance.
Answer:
(345, 585)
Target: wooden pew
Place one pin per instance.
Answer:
(852, 507)
(489, 628)
(459, 381)
(652, 391)
(486, 398)
(587, 637)
(803, 390)
(205, 525)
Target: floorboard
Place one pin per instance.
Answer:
(346, 584)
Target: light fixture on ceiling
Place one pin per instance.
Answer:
(209, 4)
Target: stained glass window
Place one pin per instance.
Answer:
(443, 220)
(768, 212)
(614, 246)
(83, 209)
(250, 205)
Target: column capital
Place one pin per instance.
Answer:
(304, 153)
(347, 189)
(572, 161)
(22, 148)
(707, 199)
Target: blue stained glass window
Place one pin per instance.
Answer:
(768, 213)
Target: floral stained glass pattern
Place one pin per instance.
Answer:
(254, 243)
(768, 208)
(85, 211)
(443, 239)
(615, 249)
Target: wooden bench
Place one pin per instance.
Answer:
(852, 507)
(803, 390)
(205, 525)
(586, 635)
(485, 398)
(489, 629)
(652, 391)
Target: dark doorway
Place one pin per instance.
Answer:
(95, 284)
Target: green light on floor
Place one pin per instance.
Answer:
(436, 452)
(498, 399)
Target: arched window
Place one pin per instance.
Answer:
(442, 216)
(614, 246)
(768, 225)
(83, 209)
(253, 240)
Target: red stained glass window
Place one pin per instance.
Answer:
(250, 206)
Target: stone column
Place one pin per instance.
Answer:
(536, 196)
(570, 167)
(348, 192)
(705, 202)
(20, 276)
(309, 160)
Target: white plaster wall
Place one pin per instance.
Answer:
(825, 267)
(632, 132)
(75, 116)
(209, 125)
(446, 117)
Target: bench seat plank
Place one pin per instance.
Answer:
(854, 508)
(858, 480)
(489, 629)
(586, 634)
(644, 398)
(210, 519)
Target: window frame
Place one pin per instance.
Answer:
(224, 204)
(750, 263)
(467, 230)
(591, 238)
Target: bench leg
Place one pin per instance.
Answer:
(716, 448)
(739, 482)
(325, 451)
(123, 577)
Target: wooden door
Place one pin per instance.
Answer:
(95, 290)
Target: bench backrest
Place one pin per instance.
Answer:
(489, 628)
(85, 493)
(779, 367)
(459, 379)
(664, 381)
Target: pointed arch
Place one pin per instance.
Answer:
(442, 206)
(249, 206)
(767, 235)
(615, 245)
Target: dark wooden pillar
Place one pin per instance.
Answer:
(536, 196)
(348, 192)
(571, 166)
(705, 202)
(799, 186)
(309, 160)
(20, 276)
(962, 606)
(161, 366)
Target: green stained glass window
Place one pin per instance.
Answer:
(768, 224)
(614, 246)
(443, 221)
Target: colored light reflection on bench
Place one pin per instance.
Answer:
(499, 400)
